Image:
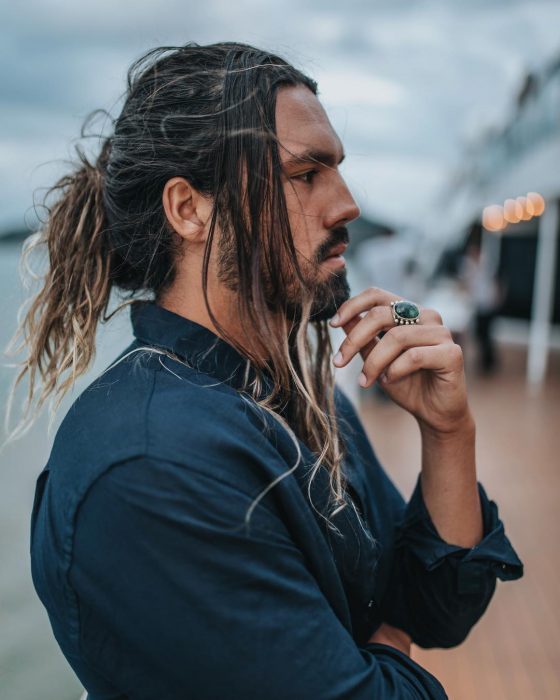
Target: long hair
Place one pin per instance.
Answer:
(205, 113)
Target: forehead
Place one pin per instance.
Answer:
(302, 123)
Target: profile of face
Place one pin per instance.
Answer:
(319, 205)
(318, 201)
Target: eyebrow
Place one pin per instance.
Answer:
(312, 155)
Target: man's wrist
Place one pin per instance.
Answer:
(393, 637)
(463, 428)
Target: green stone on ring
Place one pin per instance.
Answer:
(405, 311)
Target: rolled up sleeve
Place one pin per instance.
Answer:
(437, 590)
(177, 600)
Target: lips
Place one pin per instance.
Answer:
(338, 250)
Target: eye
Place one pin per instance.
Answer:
(306, 177)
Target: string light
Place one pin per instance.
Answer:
(537, 201)
(523, 208)
(512, 211)
(493, 218)
(524, 203)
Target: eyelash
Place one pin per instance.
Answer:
(304, 175)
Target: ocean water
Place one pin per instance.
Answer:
(31, 664)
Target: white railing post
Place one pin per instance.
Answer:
(543, 295)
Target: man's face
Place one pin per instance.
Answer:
(318, 200)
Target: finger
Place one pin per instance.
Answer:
(369, 346)
(352, 323)
(431, 316)
(362, 334)
(398, 340)
(347, 328)
(364, 301)
(448, 357)
(375, 296)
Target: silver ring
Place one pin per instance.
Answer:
(405, 312)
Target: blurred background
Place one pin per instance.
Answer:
(450, 118)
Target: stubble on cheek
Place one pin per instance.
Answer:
(282, 289)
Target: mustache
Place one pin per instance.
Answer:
(339, 235)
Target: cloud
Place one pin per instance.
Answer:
(350, 88)
(405, 83)
(394, 188)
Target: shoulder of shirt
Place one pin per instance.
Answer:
(137, 409)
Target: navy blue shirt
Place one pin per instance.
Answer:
(156, 590)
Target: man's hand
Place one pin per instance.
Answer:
(386, 634)
(425, 375)
(422, 364)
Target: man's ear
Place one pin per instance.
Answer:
(186, 209)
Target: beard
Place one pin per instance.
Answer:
(326, 297)
(323, 295)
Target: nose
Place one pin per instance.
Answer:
(345, 208)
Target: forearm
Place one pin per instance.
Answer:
(449, 484)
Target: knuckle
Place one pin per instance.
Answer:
(437, 317)
(398, 334)
(443, 334)
(376, 312)
(391, 339)
(433, 316)
(373, 293)
(415, 356)
(394, 332)
(446, 332)
(456, 353)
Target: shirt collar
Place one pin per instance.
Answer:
(154, 325)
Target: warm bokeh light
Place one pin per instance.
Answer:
(537, 201)
(493, 218)
(522, 208)
(527, 208)
(513, 211)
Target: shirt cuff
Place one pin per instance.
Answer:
(494, 553)
(420, 679)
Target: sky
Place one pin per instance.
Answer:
(406, 85)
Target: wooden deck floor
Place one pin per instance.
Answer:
(513, 652)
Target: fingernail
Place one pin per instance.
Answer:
(334, 320)
(383, 377)
(337, 358)
(362, 381)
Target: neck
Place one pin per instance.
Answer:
(187, 300)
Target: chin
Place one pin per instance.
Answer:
(329, 296)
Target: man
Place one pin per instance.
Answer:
(154, 584)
